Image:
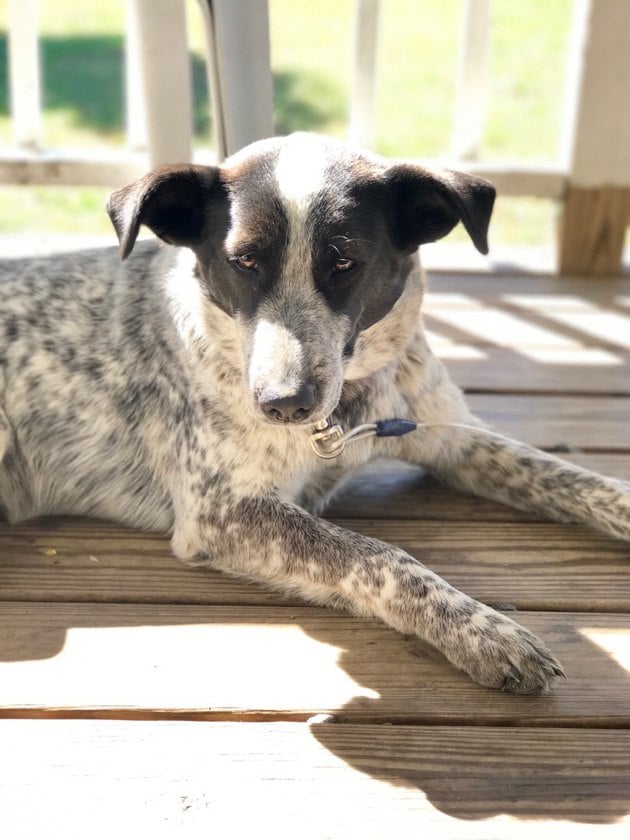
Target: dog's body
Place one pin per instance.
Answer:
(178, 392)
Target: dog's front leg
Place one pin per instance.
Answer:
(495, 467)
(267, 539)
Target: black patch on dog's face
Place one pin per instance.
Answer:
(253, 223)
(348, 220)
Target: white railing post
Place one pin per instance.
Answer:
(363, 89)
(24, 73)
(597, 140)
(239, 71)
(158, 33)
(470, 89)
(135, 105)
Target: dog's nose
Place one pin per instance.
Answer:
(291, 408)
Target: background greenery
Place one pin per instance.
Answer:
(82, 53)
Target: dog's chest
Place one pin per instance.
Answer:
(253, 459)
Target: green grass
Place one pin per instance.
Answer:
(82, 52)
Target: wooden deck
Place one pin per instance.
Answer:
(140, 698)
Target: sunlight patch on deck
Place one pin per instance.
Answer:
(501, 328)
(614, 642)
(591, 356)
(185, 667)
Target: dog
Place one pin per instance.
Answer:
(185, 390)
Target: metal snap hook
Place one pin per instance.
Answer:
(327, 441)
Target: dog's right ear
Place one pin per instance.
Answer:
(173, 201)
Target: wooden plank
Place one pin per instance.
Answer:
(531, 334)
(286, 663)
(490, 286)
(496, 326)
(529, 565)
(533, 566)
(521, 370)
(520, 324)
(540, 295)
(387, 490)
(121, 779)
(548, 422)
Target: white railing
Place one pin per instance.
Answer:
(158, 91)
(592, 178)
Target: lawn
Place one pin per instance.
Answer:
(82, 51)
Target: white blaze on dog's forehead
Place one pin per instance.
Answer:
(300, 169)
(276, 359)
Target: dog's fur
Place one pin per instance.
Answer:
(177, 391)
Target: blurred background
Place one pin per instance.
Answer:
(82, 48)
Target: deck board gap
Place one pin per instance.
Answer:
(478, 721)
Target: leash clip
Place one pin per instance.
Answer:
(330, 441)
(327, 441)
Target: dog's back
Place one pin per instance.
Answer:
(72, 329)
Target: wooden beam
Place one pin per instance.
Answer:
(593, 230)
(107, 169)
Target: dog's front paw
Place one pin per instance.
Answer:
(499, 653)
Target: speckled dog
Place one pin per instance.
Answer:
(177, 392)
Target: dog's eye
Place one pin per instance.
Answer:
(342, 266)
(246, 262)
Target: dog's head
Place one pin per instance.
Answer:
(306, 243)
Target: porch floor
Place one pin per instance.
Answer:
(142, 698)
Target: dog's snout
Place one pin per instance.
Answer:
(289, 408)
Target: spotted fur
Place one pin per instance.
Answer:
(176, 391)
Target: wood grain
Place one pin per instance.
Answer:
(386, 490)
(109, 779)
(528, 371)
(533, 566)
(489, 287)
(212, 662)
(596, 423)
(593, 229)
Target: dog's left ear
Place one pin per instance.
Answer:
(429, 204)
(174, 201)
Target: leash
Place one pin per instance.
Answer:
(330, 441)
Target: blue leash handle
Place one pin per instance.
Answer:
(395, 427)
